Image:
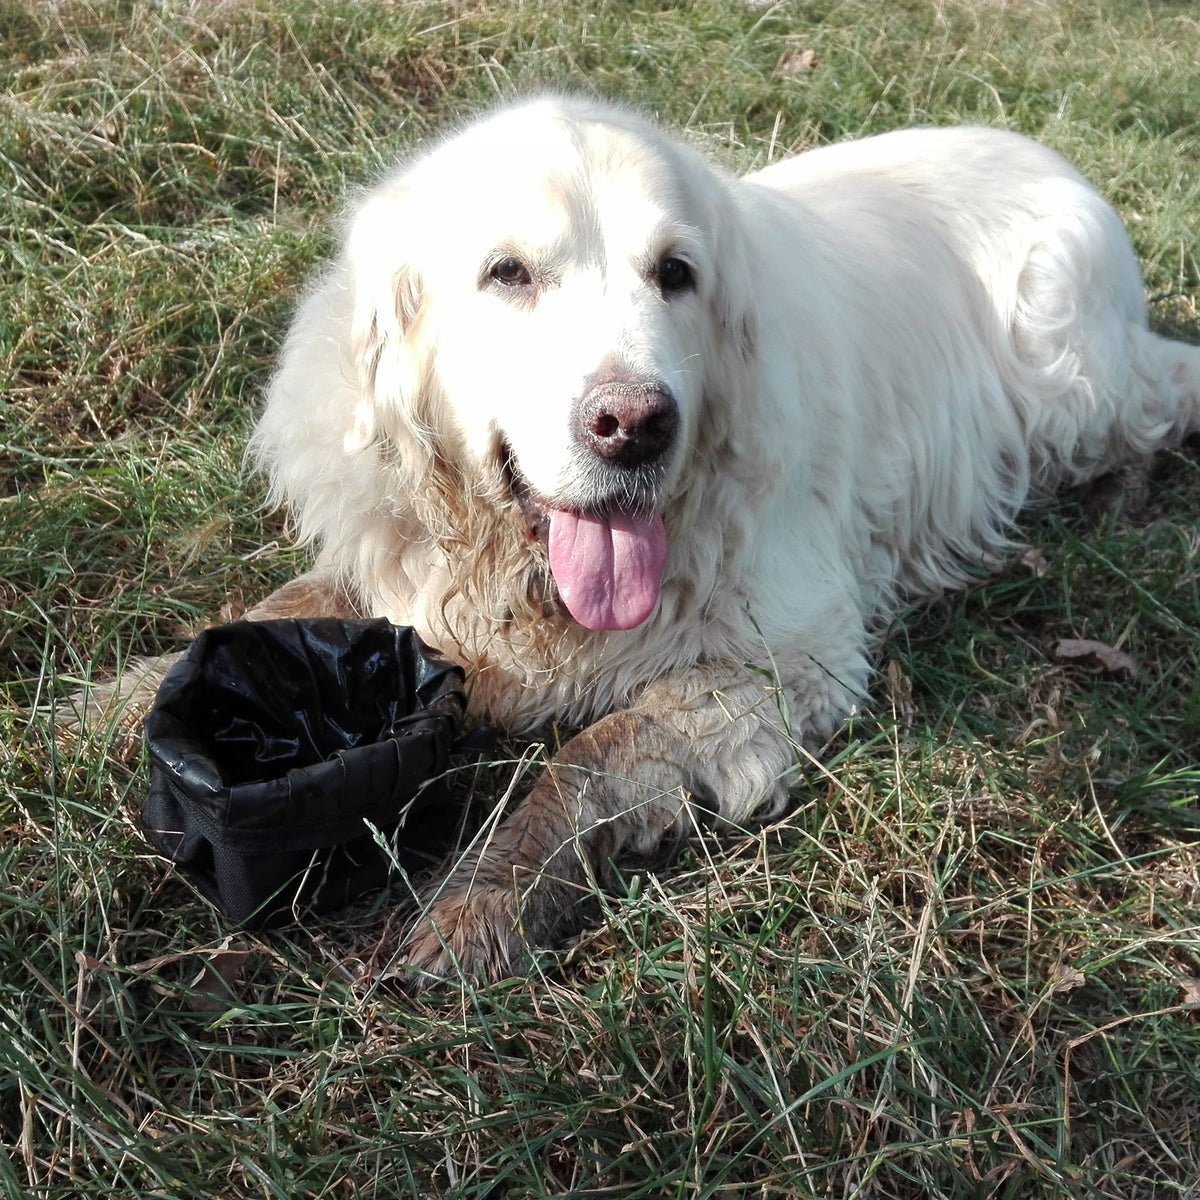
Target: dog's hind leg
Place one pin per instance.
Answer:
(315, 594)
(120, 703)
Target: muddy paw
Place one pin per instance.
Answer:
(472, 934)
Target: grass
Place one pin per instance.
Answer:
(966, 965)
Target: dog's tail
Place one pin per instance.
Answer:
(1177, 366)
(1165, 405)
(1147, 399)
(1096, 385)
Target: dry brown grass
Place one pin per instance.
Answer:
(964, 966)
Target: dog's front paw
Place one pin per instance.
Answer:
(471, 933)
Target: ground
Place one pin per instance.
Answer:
(965, 965)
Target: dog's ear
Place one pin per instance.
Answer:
(387, 297)
(727, 439)
(733, 300)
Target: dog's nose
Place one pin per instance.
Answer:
(629, 423)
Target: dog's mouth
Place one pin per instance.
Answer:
(607, 562)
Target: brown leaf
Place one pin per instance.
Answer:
(234, 608)
(1191, 990)
(798, 61)
(1034, 561)
(213, 989)
(1067, 979)
(1086, 653)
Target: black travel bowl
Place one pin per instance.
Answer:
(275, 746)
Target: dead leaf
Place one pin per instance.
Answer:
(1191, 990)
(1096, 655)
(798, 61)
(234, 608)
(213, 989)
(1034, 561)
(1067, 980)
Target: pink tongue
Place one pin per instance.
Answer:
(607, 568)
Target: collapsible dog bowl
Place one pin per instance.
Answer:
(274, 743)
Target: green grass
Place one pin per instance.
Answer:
(960, 968)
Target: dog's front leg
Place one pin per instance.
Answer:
(713, 739)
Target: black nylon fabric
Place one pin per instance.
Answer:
(272, 743)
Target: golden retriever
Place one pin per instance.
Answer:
(656, 451)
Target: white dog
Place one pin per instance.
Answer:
(654, 450)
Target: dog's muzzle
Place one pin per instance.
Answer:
(607, 544)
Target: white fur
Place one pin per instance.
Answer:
(892, 344)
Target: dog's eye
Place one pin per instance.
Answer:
(674, 275)
(511, 272)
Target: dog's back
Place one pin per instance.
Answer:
(994, 322)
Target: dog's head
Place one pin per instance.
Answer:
(544, 303)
